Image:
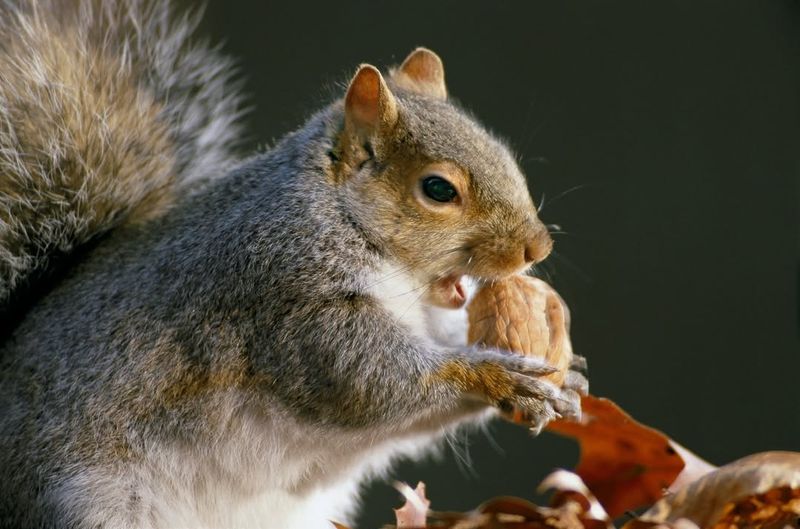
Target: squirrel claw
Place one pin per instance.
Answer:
(569, 405)
(578, 363)
(537, 412)
(577, 382)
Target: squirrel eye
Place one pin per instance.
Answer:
(439, 189)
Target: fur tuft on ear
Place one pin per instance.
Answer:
(370, 107)
(423, 73)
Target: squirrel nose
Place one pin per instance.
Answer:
(537, 248)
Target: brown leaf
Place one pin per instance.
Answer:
(414, 511)
(624, 463)
(508, 512)
(524, 315)
(777, 508)
(570, 487)
(762, 490)
(516, 513)
(681, 523)
(694, 467)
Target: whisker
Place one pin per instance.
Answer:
(575, 268)
(426, 285)
(406, 268)
(413, 302)
(541, 272)
(496, 446)
(398, 272)
(461, 452)
(565, 193)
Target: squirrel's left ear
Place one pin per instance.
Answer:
(370, 116)
(369, 106)
(423, 73)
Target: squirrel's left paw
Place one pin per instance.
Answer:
(575, 386)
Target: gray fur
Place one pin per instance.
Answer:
(235, 343)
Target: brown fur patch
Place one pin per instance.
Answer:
(485, 379)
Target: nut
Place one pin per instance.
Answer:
(524, 315)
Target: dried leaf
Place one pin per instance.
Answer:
(570, 487)
(511, 506)
(694, 467)
(524, 315)
(762, 490)
(414, 511)
(515, 513)
(624, 463)
(681, 523)
(507, 512)
(777, 508)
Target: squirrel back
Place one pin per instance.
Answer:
(108, 112)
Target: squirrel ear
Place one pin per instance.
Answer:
(423, 73)
(369, 105)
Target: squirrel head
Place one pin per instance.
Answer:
(444, 197)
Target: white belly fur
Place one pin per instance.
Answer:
(305, 480)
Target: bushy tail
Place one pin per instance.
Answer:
(108, 111)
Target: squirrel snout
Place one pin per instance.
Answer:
(538, 247)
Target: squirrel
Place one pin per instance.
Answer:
(196, 340)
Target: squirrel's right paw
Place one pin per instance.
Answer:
(508, 382)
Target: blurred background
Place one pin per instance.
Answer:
(663, 139)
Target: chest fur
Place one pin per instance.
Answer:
(404, 298)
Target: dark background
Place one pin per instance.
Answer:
(664, 140)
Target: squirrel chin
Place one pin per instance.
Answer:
(448, 292)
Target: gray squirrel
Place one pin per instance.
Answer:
(192, 340)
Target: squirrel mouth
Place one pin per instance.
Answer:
(448, 292)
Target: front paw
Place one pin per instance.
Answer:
(512, 383)
(575, 386)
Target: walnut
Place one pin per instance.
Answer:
(524, 315)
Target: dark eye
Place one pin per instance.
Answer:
(439, 189)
